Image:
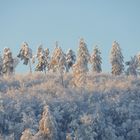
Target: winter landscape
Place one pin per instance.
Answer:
(39, 107)
(65, 100)
(70, 70)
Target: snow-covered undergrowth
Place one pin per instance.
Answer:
(40, 107)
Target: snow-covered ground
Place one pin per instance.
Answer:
(40, 107)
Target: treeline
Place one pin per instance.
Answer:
(62, 62)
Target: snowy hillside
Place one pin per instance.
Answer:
(47, 107)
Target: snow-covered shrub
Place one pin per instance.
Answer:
(116, 59)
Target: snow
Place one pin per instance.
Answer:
(116, 59)
(96, 60)
(38, 107)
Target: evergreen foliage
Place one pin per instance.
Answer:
(38, 107)
(58, 60)
(8, 62)
(116, 59)
(83, 55)
(42, 57)
(80, 68)
(25, 54)
(70, 58)
(1, 63)
(133, 66)
(61, 62)
(96, 60)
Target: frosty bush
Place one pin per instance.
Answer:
(116, 59)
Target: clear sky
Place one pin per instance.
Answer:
(45, 21)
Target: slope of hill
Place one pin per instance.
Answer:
(40, 107)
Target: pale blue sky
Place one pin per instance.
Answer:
(45, 21)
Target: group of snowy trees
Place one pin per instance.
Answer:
(37, 107)
(117, 62)
(63, 62)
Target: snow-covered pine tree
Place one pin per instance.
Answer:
(8, 62)
(47, 57)
(47, 126)
(133, 66)
(54, 58)
(80, 68)
(96, 60)
(70, 59)
(62, 66)
(1, 63)
(58, 60)
(15, 63)
(27, 135)
(42, 59)
(83, 55)
(25, 54)
(138, 67)
(116, 59)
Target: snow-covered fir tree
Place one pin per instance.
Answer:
(26, 135)
(133, 66)
(96, 60)
(54, 58)
(58, 60)
(116, 59)
(70, 59)
(1, 63)
(8, 62)
(47, 127)
(138, 63)
(42, 59)
(25, 54)
(47, 57)
(62, 62)
(80, 68)
(83, 55)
